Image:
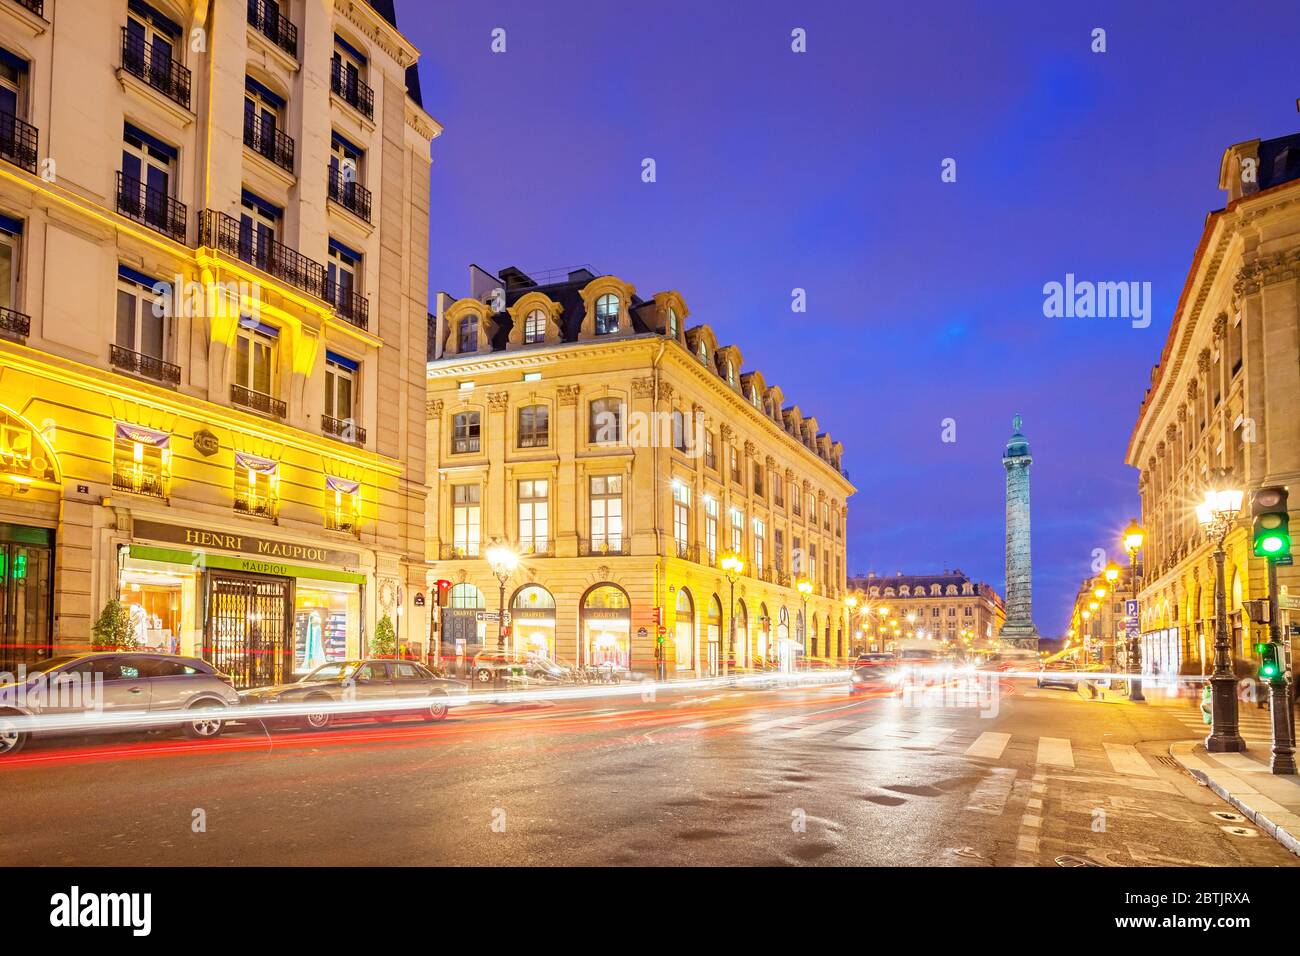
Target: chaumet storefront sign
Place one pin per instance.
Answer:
(263, 555)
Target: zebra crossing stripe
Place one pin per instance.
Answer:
(991, 795)
(1125, 759)
(869, 734)
(818, 728)
(716, 722)
(931, 737)
(1055, 751)
(769, 724)
(989, 745)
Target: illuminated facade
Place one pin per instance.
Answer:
(624, 457)
(949, 607)
(213, 237)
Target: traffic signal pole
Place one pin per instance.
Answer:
(1283, 761)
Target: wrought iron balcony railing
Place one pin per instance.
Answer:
(537, 548)
(259, 506)
(156, 67)
(140, 483)
(15, 324)
(352, 90)
(222, 232)
(687, 552)
(595, 547)
(345, 523)
(18, 142)
(267, 139)
(146, 366)
(349, 305)
(258, 401)
(275, 26)
(343, 429)
(349, 194)
(454, 552)
(36, 6)
(154, 208)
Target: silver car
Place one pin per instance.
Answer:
(110, 692)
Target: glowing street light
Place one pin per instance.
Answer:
(503, 561)
(733, 565)
(1218, 516)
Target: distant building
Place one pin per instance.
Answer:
(946, 607)
(1100, 634)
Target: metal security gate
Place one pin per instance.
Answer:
(249, 633)
(26, 595)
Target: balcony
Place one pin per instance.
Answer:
(140, 483)
(352, 90)
(152, 207)
(537, 548)
(349, 194)
(687, 552)
(344, 429)
(273, 25)
(599, 547)
(15, 325)
(18, 142)
(258, 401)
(344, 523)
(145, 366)
(35, 6)
(221, 232)
(256, 506)
(455, 552)
(349, 305)
(268, 140)
(156, 67)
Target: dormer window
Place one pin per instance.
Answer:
(607, 308)
(467, 335)
(731, 373)
(672, 323)
(754, 399)
(703, 354)
(535, 327)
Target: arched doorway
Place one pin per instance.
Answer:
(812, 647)
(763, 647)
(532, 621)
(606, 615)
(784, 646)
(684, 631)
(741, 650)
(713, 632)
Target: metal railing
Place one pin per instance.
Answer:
(347, 524)
(222, 232)
(36, 6)
(267, 139)
(344, 429)
(258, 401)
(454, 552)
(18, 142)
(163, 73)
(595, 547)
(15, 324)
(153, 207)
(352, 90)
(536, 548)
(349, 193)
(146, 366)
(140, 483)
(353, 307)
(258, 506)
(687, 552)
(273, 25)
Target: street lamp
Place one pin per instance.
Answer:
(805, 588)
(732, 565)
(851, 602)
(1133, 539)
(503, 560)
(1217, 514)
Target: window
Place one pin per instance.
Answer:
(605, 426)
(711, 529)
(141, 460)
(465, 520)
(257, 486)
(535, 327)
(952, 612)
(607, 308)
(703, 354)
(465, 433)
(731, 373)
(679, 430)
(140, 327)
(710, 453)
(968, 611)
(812, 562)
(13, 76)
(778, 548)
(826, 516)
(681, 516)
(812, 509)
(533, 524)
(342, 505)
(1234, 347)
(734, 457)
(737, 531)
(343, 278)
(259, 225)
(149, 42)
(534, 426)
(262, 118)
(467, 335)
(796, 557)
(255, 357)
(672, 323)
(756, 470)
(10, 232)
(754, 399)
(760, 543)
(340, 381)
(795, 499)
(345, 163)
(606, 512)
(778, 489)
(347, 67)
(148, 170)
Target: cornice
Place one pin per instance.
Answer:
(377, 30)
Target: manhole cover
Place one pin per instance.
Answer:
(1229, 817)
(1074, 861)
(1240, 831)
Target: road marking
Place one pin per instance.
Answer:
(717, 722)
(769, 724)
(1056, 751)
(818, 728)
(872, 733)
(989, 744)
(929, 738)
(1124, 758)
(991, 795)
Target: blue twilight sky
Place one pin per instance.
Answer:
(821, 170)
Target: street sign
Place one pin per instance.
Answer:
(489, 616)
(1131, 607)
(642, 632)
(1133, 632)
(1288, 603)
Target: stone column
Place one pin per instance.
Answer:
(1019, 630)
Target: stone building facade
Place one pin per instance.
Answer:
(950, 608)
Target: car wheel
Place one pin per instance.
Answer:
(12, 739)
(483, 675)
(208, 727)
(320, 720)
(1040, 683)
(437, 709)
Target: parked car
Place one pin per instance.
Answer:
(1060, 674)
(115, 683)
(380, 682)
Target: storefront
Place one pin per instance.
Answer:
(253, 607)
(606, 621)
(26, 594)
(532, 621)
(1162, 655)
(684, 631)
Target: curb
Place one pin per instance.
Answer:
(1284, 831)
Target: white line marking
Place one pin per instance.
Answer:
(1056, 751)
(930, 738)
(989, 744)
(818, 728)
(1124, 758)
(991, 795)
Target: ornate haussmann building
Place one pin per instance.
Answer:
(212, 327)
(950, 608)
(624, 456)
(1226, 394)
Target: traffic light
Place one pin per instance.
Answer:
(1269, 666)
(444, 592)
(1270, 528)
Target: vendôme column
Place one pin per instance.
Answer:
(1019, 632)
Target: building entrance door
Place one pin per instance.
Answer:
(249, 630)
(26, 595)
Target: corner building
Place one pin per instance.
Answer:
(213, 233)
(623, 456)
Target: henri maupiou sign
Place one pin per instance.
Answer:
(244, 544)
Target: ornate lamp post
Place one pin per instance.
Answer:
(1217, 515)
(733, 566)
(804, 588)
(503, 561)
(851, 605)
(1133, 538)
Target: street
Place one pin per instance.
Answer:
(802, 775)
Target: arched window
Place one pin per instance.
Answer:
(703, 353)
(812, 647)
(467, 335)
(713, 632)
(672, 323)
(466, 595)
(535, 327)
(731, 373)
(532, 616)
(607, 626)
(607, 314)
(684, 631)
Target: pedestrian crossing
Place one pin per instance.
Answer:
(1254, 724)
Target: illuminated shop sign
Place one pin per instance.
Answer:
(265, 550)
(22, 453)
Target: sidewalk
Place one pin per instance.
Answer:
(1271, 802)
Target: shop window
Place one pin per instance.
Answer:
(343, 505)
(684, 630)
(141, 460)
(534, 426)
(607, 627)
(533, 524)
(465, 432)
(257, 486)
(605, 424)
(532, 615)
(325, 613)
(606, 512)
(465, 520)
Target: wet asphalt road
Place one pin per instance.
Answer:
(797, 776)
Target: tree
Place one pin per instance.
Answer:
(384, 642)
(112, 631)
